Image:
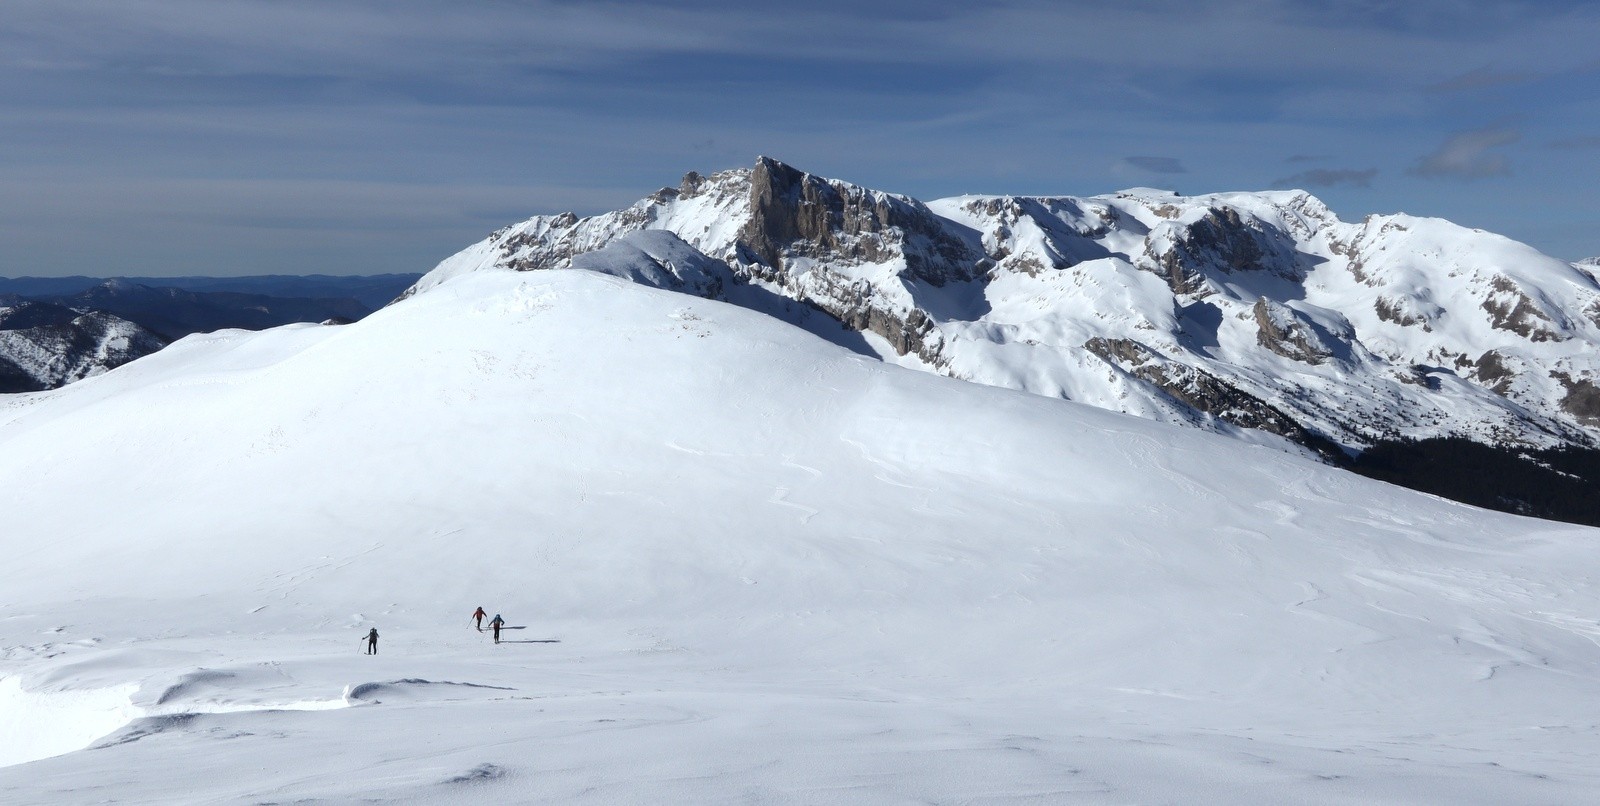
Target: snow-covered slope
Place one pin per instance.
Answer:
(1256, 311)
(745, 565)
(43, 346)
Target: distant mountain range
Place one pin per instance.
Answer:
(372, 291)
(1408, 348)
(55, 331)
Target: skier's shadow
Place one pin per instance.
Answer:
(530, 641)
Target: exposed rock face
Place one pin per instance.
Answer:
(1284, 333)
(1395, 327)
(829, 226)
(1202, 391)
(1510, 308)
(1491, 371)
(1221, 237)
(859, 306)
(1221, 240)
(1582, 399)
(1402, 312)
(795, 214)
(44, 346)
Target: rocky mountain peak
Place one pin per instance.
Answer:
(1257, 311)
(794, 214)
(1189, 253)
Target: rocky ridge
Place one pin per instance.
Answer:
(1244, 313)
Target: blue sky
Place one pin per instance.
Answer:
(162, 137)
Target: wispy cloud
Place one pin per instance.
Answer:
(1481, 78)
(1469, 155)
(1157, 165)
(1577, 143)
(1328, 177)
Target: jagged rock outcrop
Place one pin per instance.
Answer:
(1202, 391)
(1187, 253)
(1582, 398)
(1283, 332)
(798, 215)
(1492, 371)
(1510, 308)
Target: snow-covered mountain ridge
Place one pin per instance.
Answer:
(1234, 312)
(43, 346)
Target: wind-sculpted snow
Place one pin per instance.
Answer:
(1394, 327)
(738, 563)
(660, 259)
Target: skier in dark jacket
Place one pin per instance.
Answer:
(372, 641)
(496, 625)
(478, 617)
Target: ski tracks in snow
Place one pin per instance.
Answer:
(893, 475)
(780, 494)
(283, 582)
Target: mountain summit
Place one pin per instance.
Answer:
(1242, 313)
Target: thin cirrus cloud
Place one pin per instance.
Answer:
(1468, 155)
(1577, 143)
(1481, 78)
(1329, 177)
(1157, 165)
(543, 105)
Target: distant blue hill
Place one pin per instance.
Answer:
(55, 330)
(372, 291)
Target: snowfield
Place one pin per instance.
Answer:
(741, 564)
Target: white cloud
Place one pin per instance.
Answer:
(1469, 155)
(1329, 177)
(1158, 165)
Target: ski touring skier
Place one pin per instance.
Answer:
(496, 625)
(372, 641)
(478, 616)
